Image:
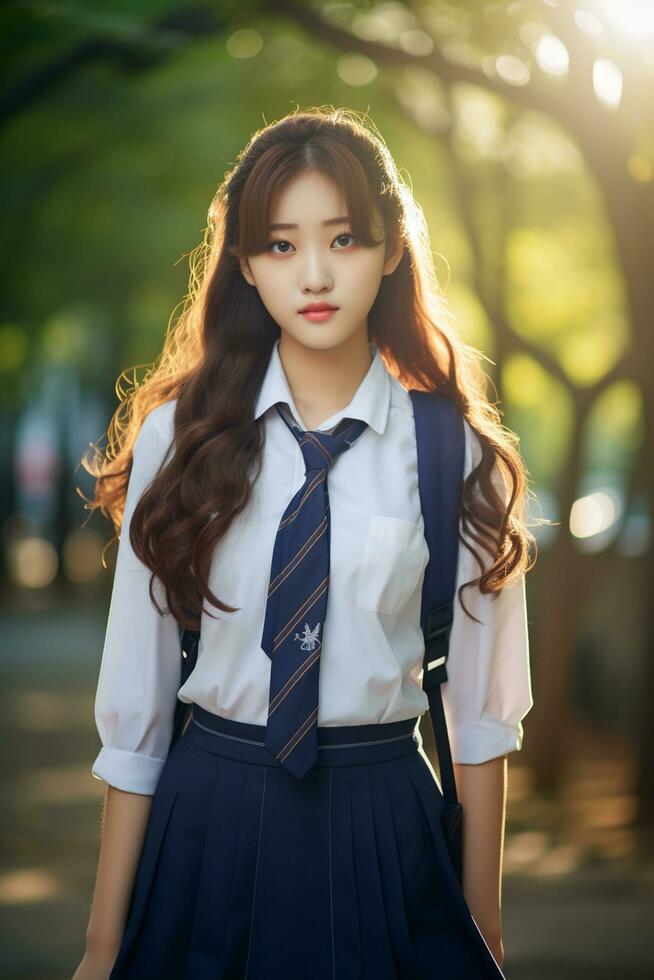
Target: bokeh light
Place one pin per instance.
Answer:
(33, 562)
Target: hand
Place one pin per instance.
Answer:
(497, 949)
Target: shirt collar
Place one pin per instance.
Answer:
(370, 402)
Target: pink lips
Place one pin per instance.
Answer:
(318, 316)
(318, 312)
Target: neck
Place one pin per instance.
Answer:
(323, 382)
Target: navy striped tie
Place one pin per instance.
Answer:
(297, 601)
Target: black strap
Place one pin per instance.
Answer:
(190, 641)
(440, 440)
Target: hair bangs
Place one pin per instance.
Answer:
(282, 163)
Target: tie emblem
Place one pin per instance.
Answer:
(297, 600)
(309, 637)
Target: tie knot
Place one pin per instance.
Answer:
(320, 449)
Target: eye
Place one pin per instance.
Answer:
(279, 241)
(284, 251)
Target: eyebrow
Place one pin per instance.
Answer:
(330, 221)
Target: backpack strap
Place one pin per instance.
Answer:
(440, 439)
(190, 641)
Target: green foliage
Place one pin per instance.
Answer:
(109, 173)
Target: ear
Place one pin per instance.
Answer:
(394, 259)
(247, 272)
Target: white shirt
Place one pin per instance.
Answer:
(372, 649)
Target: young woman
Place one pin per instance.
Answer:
(265, 478)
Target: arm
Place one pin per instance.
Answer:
(486, 696)
(134, 710)
(123, 829)
(482, 791)
(140, 673)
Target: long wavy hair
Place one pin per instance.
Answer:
(219, 342)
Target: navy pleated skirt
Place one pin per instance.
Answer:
(248, 873)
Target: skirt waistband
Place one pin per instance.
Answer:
(339, 745)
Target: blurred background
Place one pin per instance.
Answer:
(526, 131)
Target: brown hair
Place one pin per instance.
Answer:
(218, 346)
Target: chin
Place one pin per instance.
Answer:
(321, 336)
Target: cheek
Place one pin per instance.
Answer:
(270, 284)
(366, 275)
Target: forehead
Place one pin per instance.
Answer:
(308, 198)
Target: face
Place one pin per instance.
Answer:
(314, 259)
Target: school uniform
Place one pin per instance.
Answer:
(247, 871)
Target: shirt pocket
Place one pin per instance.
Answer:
(394, 555)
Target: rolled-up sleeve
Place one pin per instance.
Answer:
(488, 691)
(140, 671)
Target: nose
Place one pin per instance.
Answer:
(316, 275)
